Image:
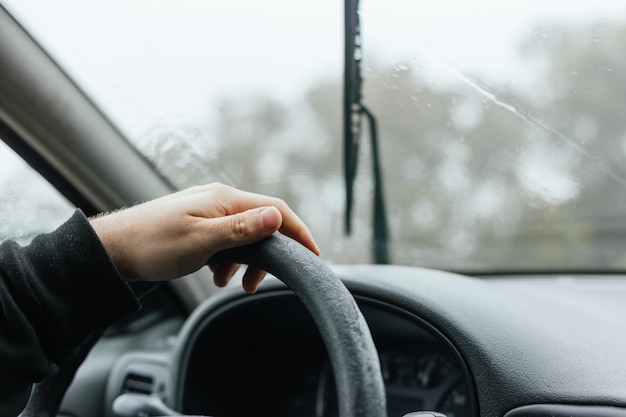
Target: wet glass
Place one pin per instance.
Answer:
(501, 128)
(29, 205)
(502, 125)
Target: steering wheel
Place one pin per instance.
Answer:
(353, 356)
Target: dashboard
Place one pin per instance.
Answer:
(499, 347)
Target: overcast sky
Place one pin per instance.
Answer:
(149, 60)
(143, 53)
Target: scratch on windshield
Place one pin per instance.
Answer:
(492, 97)
(617, 17)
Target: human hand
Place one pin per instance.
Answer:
(177, 234)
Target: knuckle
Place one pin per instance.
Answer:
(194, 189)
(280, 204)
(218, 185)
(220, 188)
(210, 187)
(238, 228)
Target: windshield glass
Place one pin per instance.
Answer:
(501, 124)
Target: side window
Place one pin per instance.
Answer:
(29, 205)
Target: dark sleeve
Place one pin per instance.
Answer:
(53, 294)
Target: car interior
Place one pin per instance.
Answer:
(378, 325)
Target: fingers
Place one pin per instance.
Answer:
(242, 228)
(249, 218)
(222, 273)
(233, 201)
(292, 226)
(251, 279)
(295, 228)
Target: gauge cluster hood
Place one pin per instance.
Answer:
(526, 341)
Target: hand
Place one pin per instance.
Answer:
(177, 234)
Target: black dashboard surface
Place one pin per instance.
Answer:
(465, 346)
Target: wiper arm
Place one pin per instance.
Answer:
(353, 112)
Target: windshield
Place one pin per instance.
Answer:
(501, 130)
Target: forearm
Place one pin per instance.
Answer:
(53, 294)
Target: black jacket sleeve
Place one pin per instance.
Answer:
(53, 294)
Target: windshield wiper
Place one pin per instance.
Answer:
(353, 112)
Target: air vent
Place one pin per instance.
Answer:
(138, 384)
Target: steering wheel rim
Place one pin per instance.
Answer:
(351, 350)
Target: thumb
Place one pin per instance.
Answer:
(246, 227)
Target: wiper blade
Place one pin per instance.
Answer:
(351, 103)
(353, 112)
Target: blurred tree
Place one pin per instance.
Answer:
(477, 172)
